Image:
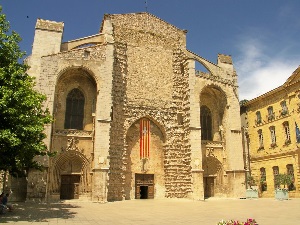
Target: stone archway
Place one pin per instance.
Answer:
(152, 166)
(70, 175)
(212, 177)
(214, 99)
(75, 79)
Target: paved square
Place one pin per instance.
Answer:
(166, 211)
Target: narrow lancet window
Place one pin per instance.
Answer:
(206, 123)
(74, 110)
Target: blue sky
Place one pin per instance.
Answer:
(262, 36)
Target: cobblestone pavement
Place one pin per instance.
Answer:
(156, 212)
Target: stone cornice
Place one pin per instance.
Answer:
(49, 25)
(235, 171)
(267, 155)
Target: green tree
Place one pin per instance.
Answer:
(243, 102)
(283, 179)
(22, 115)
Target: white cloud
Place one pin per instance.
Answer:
(264, 79)
(259, 72)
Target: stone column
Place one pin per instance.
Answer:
(198, 190)
(100, 184)
(235, 163)
(102, 128)
(195, 138)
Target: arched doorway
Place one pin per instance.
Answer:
(144, 177)
(70, 176)
(212, 176)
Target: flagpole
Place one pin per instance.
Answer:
(146, 5)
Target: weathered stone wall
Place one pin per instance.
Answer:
(37, 185)
(144, 28)
(103, 120)
(15, 186)
(47, 40)
(150, 76)
(150, 80)
(117, 153)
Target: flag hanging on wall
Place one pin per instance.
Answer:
(297, 133)
(144, 138)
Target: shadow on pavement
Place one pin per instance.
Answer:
(38, 212)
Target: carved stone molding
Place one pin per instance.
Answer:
(72, 145)
(210, 152)
(213, 144)
(78, 133)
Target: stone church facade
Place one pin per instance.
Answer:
(133, 118)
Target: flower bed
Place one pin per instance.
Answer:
(236, 222)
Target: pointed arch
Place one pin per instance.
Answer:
(157, 123)
(212, 124)
(75, 99)
(136, 163)
(215, 90)
(74, 157)
(78, 70)
(70, 162)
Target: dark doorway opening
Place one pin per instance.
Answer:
(144, 186)
(144, 192)
(208, 187)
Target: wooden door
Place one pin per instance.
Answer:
(142, 180)
(208, 187)
(151, 191)
(69, 187)
(137, 192)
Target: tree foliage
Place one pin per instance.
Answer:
(283, 179)
(23, 116)
(251, 181)
(243, 102)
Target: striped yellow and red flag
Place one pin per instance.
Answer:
(144, 138)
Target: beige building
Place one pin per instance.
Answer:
(133, 118)
(272, 128)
